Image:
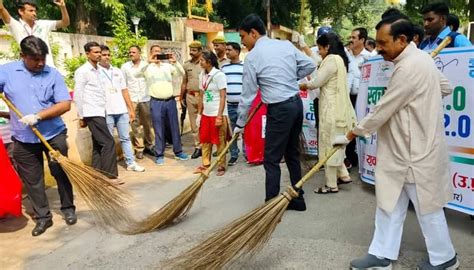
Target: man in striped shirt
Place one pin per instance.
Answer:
(233, 72)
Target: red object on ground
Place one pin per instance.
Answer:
(10, 186)
(254, 133)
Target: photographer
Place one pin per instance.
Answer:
(159, 79)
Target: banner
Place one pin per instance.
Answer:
(458, 67)
(310, 134)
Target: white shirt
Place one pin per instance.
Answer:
(136, 84)
(211, 84)
(89, 93)
(114, 83)
(357, 62)
(41, 29)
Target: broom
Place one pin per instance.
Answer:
(105, 199)
(247, 235)
(181, 204)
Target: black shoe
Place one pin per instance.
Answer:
(297, 204)
(41, 227)
(150, 151)
(139, 155)
(70, 217)
(232, 161)
(197, 153)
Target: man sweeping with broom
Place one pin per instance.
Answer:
(40, 93)
(274, 66)
(412, 154)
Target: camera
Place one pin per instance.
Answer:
(162, 56)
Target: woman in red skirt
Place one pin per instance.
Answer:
(212, 112)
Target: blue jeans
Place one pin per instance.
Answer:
(121, 121)
(232, 110)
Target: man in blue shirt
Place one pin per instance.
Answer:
(40, 93)
(275, 67)
(434, 21)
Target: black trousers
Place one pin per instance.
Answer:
(29, 164)
(282, 138)
(104, 157)
(351, 154)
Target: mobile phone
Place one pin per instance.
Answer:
(162, 56)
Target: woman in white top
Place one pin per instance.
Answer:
(336, 115)
(212, 111)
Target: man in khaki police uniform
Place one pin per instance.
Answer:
(220, 49)
(190, 91)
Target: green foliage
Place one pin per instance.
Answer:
(14, 52)
(123, 36)
(71, 65)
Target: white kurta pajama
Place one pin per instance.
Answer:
(336, 114)
(412, 156)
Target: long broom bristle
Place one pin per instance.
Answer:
(170, 212)
(243, 237)
(107, 201)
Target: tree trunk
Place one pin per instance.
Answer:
(471, 10)
(85, 22)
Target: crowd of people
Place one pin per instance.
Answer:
(218, 89)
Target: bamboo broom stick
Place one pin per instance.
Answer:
(179, 206)
(105, 199)
(247, 235)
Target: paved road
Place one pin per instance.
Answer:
(334, 229)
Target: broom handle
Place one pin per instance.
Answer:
(441, 46)
(35, 130)
(316, 167)
(234, 137)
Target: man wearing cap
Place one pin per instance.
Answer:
(220, 49)
(28, 25)
(190, 91)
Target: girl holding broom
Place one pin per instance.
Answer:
(212, 112)
(336, 115)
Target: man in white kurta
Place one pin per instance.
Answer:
(411, 152)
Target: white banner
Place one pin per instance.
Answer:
(458, 66)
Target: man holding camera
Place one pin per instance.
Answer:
(28, 25)
(159, 79)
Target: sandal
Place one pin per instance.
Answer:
(220, 171)
(326, 190)
(341, 181)
(200, 169)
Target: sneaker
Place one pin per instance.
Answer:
(232, 161)
(449, 265)
(135, 167)
(160, 161)
(371, 262)
(181, 156)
